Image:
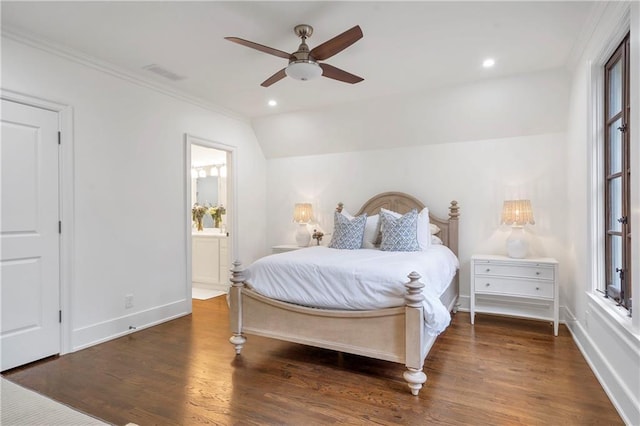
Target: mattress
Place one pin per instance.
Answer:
(362, 279)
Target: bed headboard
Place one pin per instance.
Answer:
(403, 203)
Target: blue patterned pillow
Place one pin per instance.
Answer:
(347, 233)
(399, 234)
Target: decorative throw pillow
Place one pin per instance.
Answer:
(434, 229)
(399, 234)
(347, 233)
(424, 229)
(371, 229)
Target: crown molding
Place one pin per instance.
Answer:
(115, 71)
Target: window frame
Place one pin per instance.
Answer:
(623, 18)
(621, 56)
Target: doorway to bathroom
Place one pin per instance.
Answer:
(210, 216)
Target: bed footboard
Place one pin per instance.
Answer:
(392, 334)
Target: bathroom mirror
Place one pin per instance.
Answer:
(207, 195)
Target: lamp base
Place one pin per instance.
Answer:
(517, 244)
(302, 235)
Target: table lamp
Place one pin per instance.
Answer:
(517, 213)
(302, 214)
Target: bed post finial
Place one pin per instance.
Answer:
(454, 210)
(340, 207)
(414, 297)
(237, 276)
(235, 311)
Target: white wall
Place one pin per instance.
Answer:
(479, 173)
(129, 190)
(606, 336)
(522, 105)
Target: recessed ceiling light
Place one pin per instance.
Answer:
(272, 102)
(488, 63)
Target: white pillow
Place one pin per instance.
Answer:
(371, 229)
(424, 231)
(434, 229)
(436, 240)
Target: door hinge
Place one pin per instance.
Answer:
(60, 316)
(59, 227)
(59, 138)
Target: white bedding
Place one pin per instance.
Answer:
(356, 279)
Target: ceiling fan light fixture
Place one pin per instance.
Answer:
(303, 70)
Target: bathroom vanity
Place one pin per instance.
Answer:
(209, 254)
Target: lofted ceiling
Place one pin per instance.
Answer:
(407, 46)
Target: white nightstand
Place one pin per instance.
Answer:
(518, 287)
(285, 247)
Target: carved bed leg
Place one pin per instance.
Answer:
(235, 307)
(415, 379)
(238, 341)
(414, 333)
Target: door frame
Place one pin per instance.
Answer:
(65, 205)
(232, 197)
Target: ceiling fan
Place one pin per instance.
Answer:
(303, 63)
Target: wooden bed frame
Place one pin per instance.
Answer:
(392, 334)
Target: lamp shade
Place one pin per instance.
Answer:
(517, 213)
(302, 213)
(303, 70)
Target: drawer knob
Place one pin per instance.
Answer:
(488, 270)
(537, 272)
(537, 288)
(488, 284)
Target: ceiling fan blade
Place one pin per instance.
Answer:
(338, 74)
(274, 78)
(260, 47)
(336, 44)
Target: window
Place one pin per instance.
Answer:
(617, 172)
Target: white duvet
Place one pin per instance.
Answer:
(362, 279)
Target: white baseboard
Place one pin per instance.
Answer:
(213, 286)
(85, 337)
(626, 401)
(463, 303)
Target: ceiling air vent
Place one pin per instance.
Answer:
(163, 72)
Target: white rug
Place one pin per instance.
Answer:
(205, 293)
(20, 406)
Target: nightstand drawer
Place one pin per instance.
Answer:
(520, 271)
(511, 287)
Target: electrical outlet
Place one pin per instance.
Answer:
(128, 301)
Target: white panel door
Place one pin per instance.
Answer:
(30, 281)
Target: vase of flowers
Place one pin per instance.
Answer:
(216, 214)
(197, 214)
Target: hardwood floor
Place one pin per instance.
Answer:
(184, 372)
